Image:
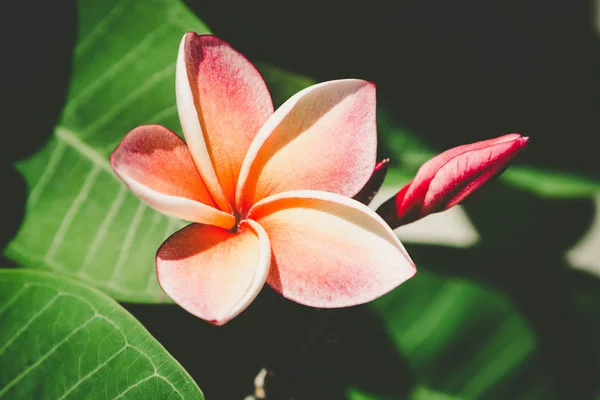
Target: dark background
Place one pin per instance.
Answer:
(452, 71)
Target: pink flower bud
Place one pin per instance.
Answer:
(374, 183)
(450, 177)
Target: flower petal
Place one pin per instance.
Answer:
(213, 273)
(329, 250)
(322, 138)
(156, 165)
(222, 102)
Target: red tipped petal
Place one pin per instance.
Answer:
(322, 138)
(450, 177)
(156, 165)
(222, 102)
(212, 273)
(329, 250)
(371, 188)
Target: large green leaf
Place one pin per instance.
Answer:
(64, 340)
(80, 220)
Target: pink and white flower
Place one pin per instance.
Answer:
(268, 193)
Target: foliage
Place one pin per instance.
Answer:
(61, 339)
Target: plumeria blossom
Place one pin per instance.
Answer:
(448, 178)
(268, 193)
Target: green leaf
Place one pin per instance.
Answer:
(419, 393)
(423, 393)
(63, 340)
(283, 84)
(553, 184)
(490, 339)
(80, 219)
(461, 340)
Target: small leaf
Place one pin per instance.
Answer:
(283, 84)
(554, 184)
(63, 340)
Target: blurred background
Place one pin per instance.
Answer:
(506, 303)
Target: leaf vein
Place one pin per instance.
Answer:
(45, 356)
(130, 56)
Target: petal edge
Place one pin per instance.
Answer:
(222, 101)
(156, 165)
(322, 138)
(212, 273)
(330, 251)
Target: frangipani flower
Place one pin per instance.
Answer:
(268, 192)
(448, 178)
